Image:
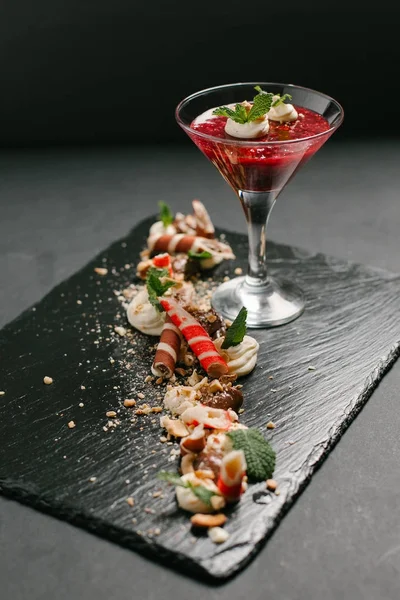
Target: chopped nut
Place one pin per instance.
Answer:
(163, 439)
(205, 474)
(215, 386)
(157, 531)
(159, 381)
(218, 535)
(202, 520)
(92, 479)
(83, 387)
(156, 409)
(277, 493)
(311, 368)
(157, 494)
(47, 380)
(188, 359)
(141, 395)
(238, 271)
(180, 371)
(174, 427)
(148, 379)
(271, 484)
(101, 271)
(270, 425)
(211, 318)
(120, 330)
(81, 405)
(129, 402)
(71, 424)
(271, 377)
(226, 278)
(130, 501)
(111, 414)
(2, 393)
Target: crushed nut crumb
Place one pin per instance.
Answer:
(81, 405)
(120, 330)
(148, 379)
(129, 402)
(101, 271)
(271, 484)
(111, 414)
(238, 271)
(311, 368)
(130, 501)
(141, 395)
(270, 425)
(92, 479)
(71, 424)
(2, 393)
(47, 380)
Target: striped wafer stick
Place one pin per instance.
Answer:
(197, 338)
(232, 471)
(173, 244)
(167, 350)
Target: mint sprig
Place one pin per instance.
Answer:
(260, 456)
(156, 287)
(201, 492)
(281, 100)
(199, 255)
(261, 105)
(236, 332)
(166, 215)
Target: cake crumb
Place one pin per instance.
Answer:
(71, 424)
(47, 380)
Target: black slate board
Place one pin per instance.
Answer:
(350, 333)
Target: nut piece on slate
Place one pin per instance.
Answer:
(201, 520)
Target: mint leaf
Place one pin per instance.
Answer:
(224, 111)
(202, 493)
(260, 457)
(199, 255)
(282, 99)
(261, 105)
(172, 478)
(156, 287)
(166, 215)
(236, 331)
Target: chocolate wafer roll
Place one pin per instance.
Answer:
(173, 244)
(167, 350)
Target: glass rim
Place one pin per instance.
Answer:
(252, 142)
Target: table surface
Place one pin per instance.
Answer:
(342, 537)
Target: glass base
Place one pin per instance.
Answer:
(276, 303)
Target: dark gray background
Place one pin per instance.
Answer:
(341, 539)
(75, 71)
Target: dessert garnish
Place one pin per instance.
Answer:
(200, 491)
(236, 331)
(260, 457)
(158, 281)
(166, 215)
(246, 112)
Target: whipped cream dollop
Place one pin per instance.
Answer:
(241, 359)
(252, 130)
(282, 112)
(143, 316)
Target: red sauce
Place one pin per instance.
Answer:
(262, 167)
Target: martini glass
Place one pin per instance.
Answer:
(258, 171)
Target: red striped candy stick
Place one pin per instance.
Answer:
(197, 338)
(167, 350)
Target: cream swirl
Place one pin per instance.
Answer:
(143, 316)
(251, 130)
(241, 359)
(282, 112)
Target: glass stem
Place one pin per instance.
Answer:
(257, 207)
